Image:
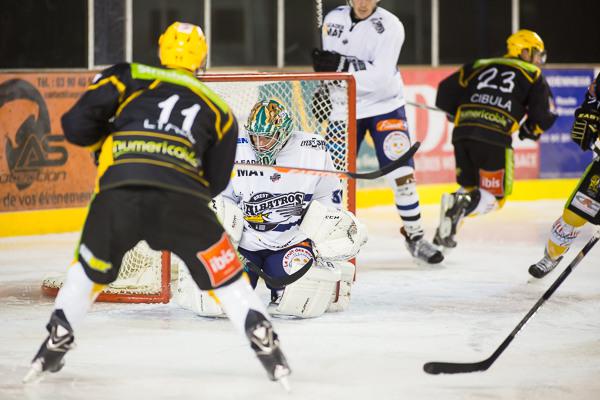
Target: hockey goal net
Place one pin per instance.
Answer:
(322, 103)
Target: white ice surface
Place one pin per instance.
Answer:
(402, 315)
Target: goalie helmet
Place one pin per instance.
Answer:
(525, 40)
(183, 46)
(269, 127)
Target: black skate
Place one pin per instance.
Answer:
(49, 357)
(452, 211)
(544, 266)
(421, 249)
(265, 344)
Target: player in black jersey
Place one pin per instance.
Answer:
(167, 145)
(488, 100)
(584, 203)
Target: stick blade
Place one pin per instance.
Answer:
(435, 367)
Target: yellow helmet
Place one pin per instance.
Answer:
(183, 46)
(524, 40)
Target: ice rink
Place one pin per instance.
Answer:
(401, 316)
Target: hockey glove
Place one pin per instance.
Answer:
(328, 61)
(585, 128)
(526, 132)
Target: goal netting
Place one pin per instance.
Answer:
(321, 103)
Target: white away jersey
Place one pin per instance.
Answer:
(375, 44)
(273, 202)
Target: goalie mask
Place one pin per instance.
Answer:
(183, 46)
(269, 127)
(526, 40)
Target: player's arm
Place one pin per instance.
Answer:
(586, 126)
(449, 93)
(540, 114)
(378, 74)
(87, 122)
(218, 159)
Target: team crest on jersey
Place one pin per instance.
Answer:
(378, 25)
(395, 144)
(266, 211)
(275, 177)
(295, 258)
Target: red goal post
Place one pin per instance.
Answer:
(322, 103)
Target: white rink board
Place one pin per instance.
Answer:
(402, 315)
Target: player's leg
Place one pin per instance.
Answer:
(213, 264)
(109, 231)
(391, 138)
(485, 174)
(582, 206)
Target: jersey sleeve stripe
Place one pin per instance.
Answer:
(120, 86)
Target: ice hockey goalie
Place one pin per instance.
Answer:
(291, 223)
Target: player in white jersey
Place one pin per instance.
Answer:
(289, 219)
(365, 40)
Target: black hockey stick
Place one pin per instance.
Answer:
(457, 368)
(279, 282)
(340, 174)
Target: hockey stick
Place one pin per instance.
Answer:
(425, 107)
(279, 282)
(457, 368)
(340, 174)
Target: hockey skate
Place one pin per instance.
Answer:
(544, 266)
(452, 211)
(265, 344)
(421, 249)
(49, 357)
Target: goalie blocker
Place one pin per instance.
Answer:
(335, 237)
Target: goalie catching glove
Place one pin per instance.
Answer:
(585, 128)
(337, 235)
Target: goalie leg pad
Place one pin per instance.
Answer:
(310, 296)
(340, 298)
(190, 297)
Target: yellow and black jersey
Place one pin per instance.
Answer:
(155, 127)
(488, 98)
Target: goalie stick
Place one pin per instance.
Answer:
(279, 282)
(340, 174)
(435, 367)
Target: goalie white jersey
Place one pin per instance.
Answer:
(372, 47)
(272, 202)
